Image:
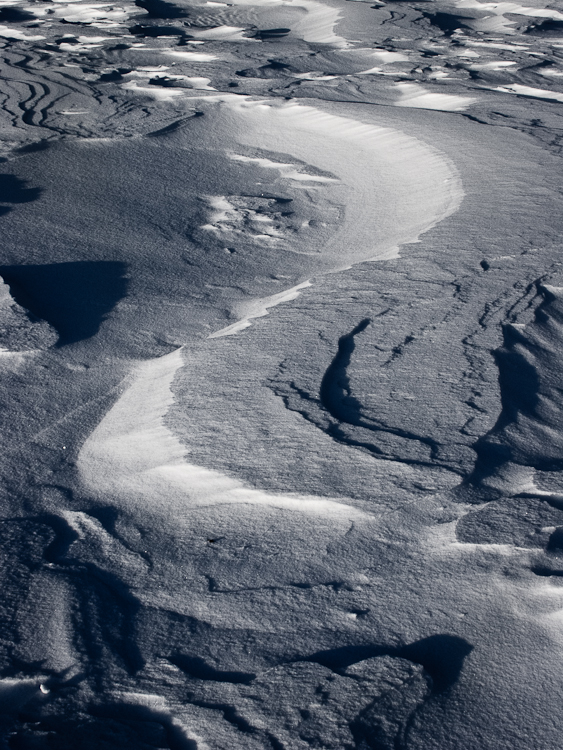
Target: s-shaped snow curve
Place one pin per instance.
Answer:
(395, 188)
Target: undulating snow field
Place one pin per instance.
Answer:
(281, 362)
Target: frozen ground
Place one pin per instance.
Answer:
(281, 351)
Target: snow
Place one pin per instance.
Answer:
(413, 95)
(517, 88)
(7, 33)
(281, 322)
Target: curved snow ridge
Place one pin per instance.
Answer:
(134, 458)
(530, 91)
(316, 27)
(259, 308)
(528, 434)
(500, 9)
(394, 186)
(413, 95)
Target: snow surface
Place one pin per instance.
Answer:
(281, 335)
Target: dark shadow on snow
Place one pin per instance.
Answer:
(442, 656)
(13, 190)
(161, 9)
(15, 15)
(196, 667)
(550, 27)
(75, 298)
(155, 31)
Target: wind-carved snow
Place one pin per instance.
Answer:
(250, 217)
(288, 171)
(504, 7)
(317, 26)
(7, 33)
(134, 457)
(520, 90)
(259, 308)
(528, 434)
(189, 56)
(160, 93)
(413, 95)
(100, 15)
(131, 454)
(418, 184)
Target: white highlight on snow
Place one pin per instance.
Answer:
(465, 53)
(287, 171)
(94, 39)
(196, 82)
(134, 458)
(160, 93)
(15, 693)
(492, 65)
(8, 33)
(222, 33)
(314, 75)
(189, 56)
(221, 207)
(101, 15)
(132, 455)
(549, 72)
(394, 186)
(371, 71)
(167, 715)
(317, 26)
(413, 95)
(498, 45)
(386, 57)
(259, 308)
(499, 9)
(193, 82)
(150, 69)
(517, 88)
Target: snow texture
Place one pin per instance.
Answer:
(281, 350)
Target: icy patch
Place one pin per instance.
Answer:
(413, 95)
